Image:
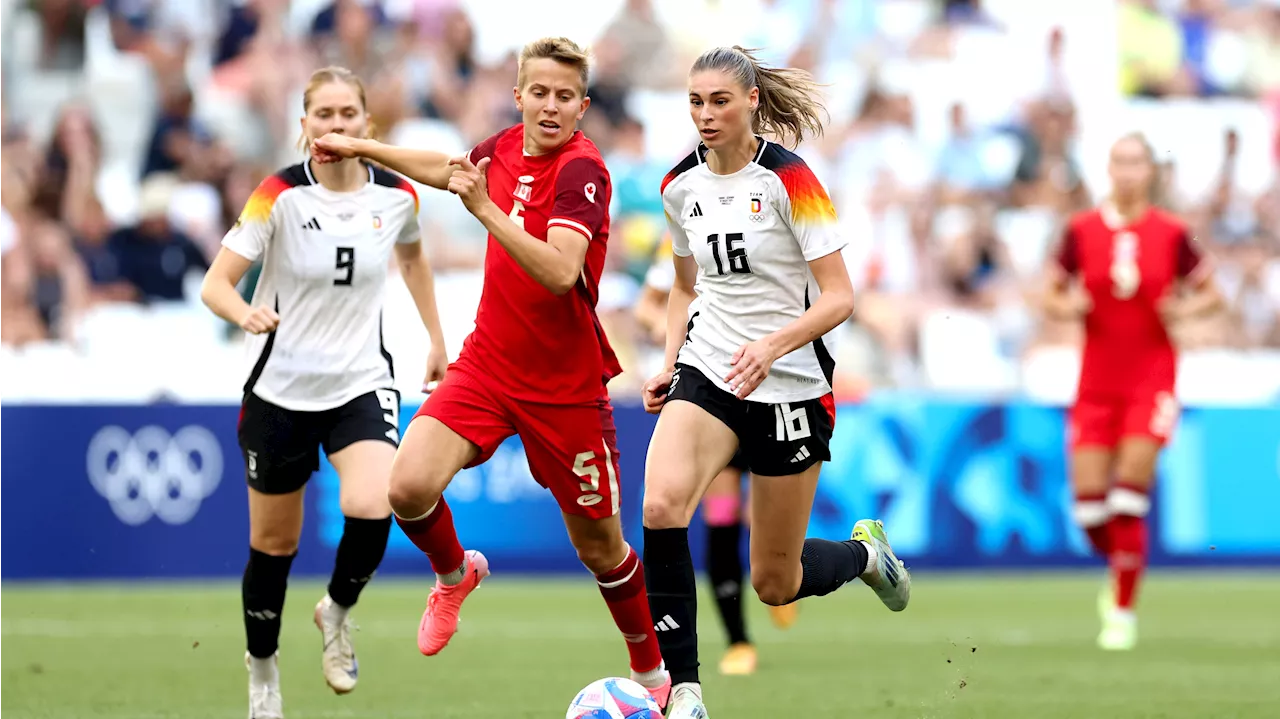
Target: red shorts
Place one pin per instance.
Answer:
(572, 449)
(1100, 421)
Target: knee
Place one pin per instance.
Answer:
(601, 555)
(413, 493)
(365, 501)
(665, 510)
(774, 587)
(273, 542)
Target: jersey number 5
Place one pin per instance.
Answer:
(346, 261)
(737, 256)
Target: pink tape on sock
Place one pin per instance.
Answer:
(721, 511)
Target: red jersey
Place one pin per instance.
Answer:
(534, 345)
(1127, 270)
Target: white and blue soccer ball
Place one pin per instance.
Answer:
(614, 698)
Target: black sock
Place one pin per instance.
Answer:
(724, 566)
(265, 578)
(673, 599)
(364, 541)
(830, 565)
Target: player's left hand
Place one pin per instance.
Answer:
(437, 365)
(468, 182)
(751, 365)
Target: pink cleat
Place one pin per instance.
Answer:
(440, 621)
(662, 694)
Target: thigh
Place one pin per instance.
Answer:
(1151, 417)
(573, 452)
(788, 438)
(695, 439)
(281, 447)
(1091, 470)
(364, 475)
(469, 410)
(275, 521)
(1136, 461)
(780, 507)
(728, 483)
(1095, 422)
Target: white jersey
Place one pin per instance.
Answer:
(753, 234)
(325, 258)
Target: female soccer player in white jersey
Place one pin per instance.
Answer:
(747, 367)
(320, 376)
(722, 509)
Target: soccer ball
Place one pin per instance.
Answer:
(614, 698)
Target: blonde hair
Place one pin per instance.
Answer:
(790, 99)
(1155, 193)
(562, 50)
(324, 76)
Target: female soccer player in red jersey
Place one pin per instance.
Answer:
(760, 282)
(319, 375)
(537, 363)
(1129, 270)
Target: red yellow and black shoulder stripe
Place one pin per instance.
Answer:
(386, 178)
(688, 163)
(809, 200)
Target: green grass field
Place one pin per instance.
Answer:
(969, 646)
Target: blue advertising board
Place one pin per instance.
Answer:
(157, 491)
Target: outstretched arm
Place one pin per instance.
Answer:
(428, 167)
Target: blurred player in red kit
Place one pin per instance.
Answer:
(1130, 271)
(538, 361)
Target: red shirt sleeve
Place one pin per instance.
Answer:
(484, 149)
(582, 197)
(1192, 266)
(1068, 255)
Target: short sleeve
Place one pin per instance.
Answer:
(410, 231)
(1068, 254)
(582, 197)
(484, 149)
(257, 222)
(679, 240)
(1193, 265)
(807, 210)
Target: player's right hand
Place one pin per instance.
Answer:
(332, 147)
(259, 320)
(655, 392)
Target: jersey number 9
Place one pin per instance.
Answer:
(346, 261)
(737, 256)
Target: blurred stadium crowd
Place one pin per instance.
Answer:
(962, 134)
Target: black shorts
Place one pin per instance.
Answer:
(281, 446)
(774, 440)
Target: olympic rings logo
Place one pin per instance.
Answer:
(152, 473)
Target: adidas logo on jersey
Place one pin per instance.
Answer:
(666, 624)
(801, 456)
(312, 225)
(697, 210)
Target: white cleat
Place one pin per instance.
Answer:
(686, 703)
(341, 670)
(265, 701)
(1119, 632)
(890, 579)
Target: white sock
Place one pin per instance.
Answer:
(264, 671)
(455, 577)
(333, 611)
(1124, 615)
(651, 679)
(873, 560)
(694, 687)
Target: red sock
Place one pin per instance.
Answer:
(1091, 514)
(623, 590)
(1128, 537)
(435, 536)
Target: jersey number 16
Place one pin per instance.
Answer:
(737, 256)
